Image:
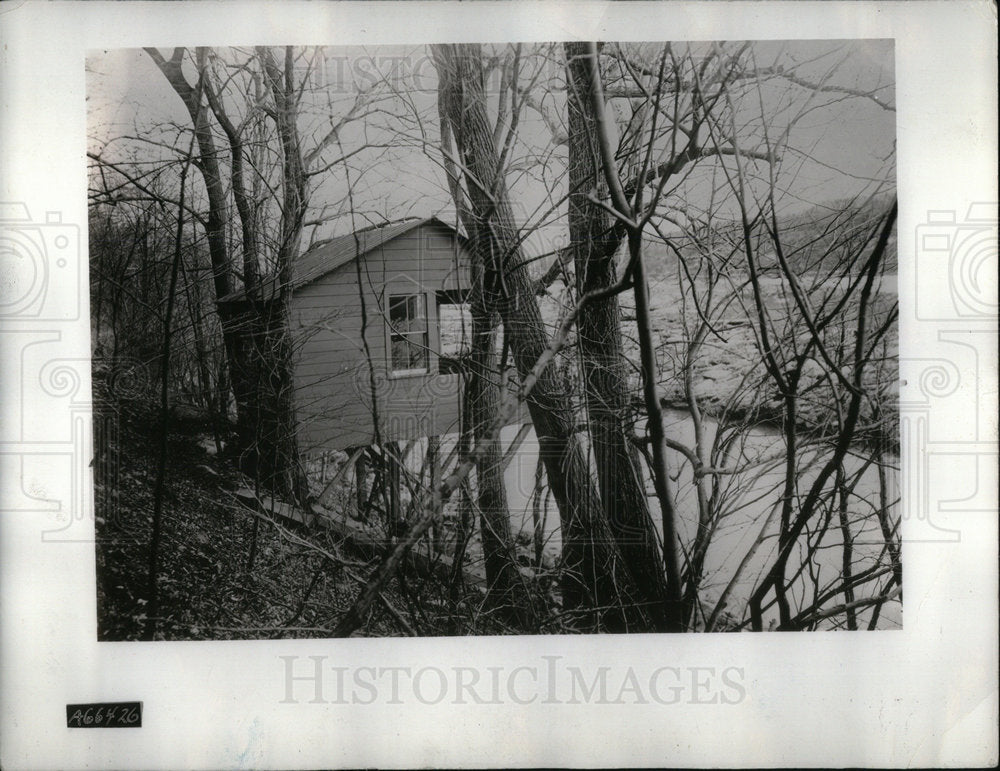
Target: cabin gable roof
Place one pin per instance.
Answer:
(328, 256)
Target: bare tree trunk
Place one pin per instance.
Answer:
(629, 213)
(605, 377)
(847, 548)
(259, 363)
(153, 596)
(506, 593)
(465, 516)
(208, 163)
(244, 206)
(287, 465)
(238, 350)
(595, 580)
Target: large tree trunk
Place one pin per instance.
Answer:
(237, 344)
(258, 349)
(208, 163)
(595, 585)
(283, 439)
(506, 591)
(605, 375)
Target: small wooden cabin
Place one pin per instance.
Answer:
(380, 311)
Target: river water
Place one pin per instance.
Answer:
(746, 499)
(748, 502)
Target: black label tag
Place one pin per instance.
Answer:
(105, 714)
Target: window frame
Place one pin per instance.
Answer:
(391, 334)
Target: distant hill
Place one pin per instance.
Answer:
(823, 237)
(826, 238)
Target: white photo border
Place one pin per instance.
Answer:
(923, 696)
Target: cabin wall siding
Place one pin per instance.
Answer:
(332, 375)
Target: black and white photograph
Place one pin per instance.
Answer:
(464, 339)
(488, 383)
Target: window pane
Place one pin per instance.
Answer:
(397, 310)
(408, 333)
(400, 352)
(407, 313)
(409, 351)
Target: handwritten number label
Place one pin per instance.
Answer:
(119, 714)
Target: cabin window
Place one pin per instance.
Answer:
(455, 324)
(408, 334)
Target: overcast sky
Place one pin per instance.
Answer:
(842, 145)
